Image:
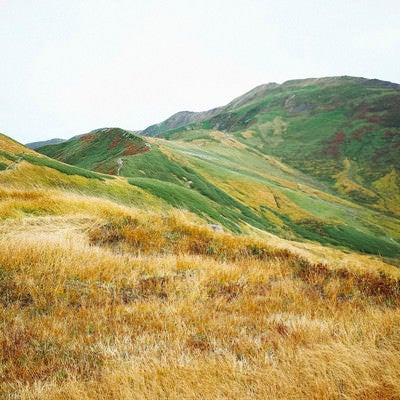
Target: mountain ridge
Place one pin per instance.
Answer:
(337, 122)
(41, 143)
(190, 116)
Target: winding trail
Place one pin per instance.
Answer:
(120, 163)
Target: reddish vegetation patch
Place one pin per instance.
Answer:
(110, 171)
(114, 143)
(130, 150)
(88, 138)
(357, 136)
(134, 149)
(362, 109)
(339, 138)
(392, 137)
(374, 119)
(334, 145)
(360, 115)
(361, 131)
(389, 134)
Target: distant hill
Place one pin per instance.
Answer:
(183, 118)
(177, 120)
(35, 145)
(98, 150)
(27, 176)
(344, 131)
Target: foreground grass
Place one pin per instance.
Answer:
(117, 303)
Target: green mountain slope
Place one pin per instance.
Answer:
(98, 150)
(343, 131)
(234, 185)
(179, 119)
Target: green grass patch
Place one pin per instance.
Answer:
(343, 236)
(8, 156)
(363, 242)
(181, 197)
(227, 211)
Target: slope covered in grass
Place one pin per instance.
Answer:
(224, 181)
(115, 303)
(344, 131)
(109, 143)
(26, 173)
(106, 292)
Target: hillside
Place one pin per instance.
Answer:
(35, 145)
(98, 150)
(344, 131)
(107, 292)
(228, 183)
(23, 172)
(178, 120)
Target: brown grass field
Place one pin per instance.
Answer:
(100, 301)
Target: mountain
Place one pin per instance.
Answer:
(24, 172)
(183, 118)
(178, 120)
(343, 131)
(35, 145)
(110, 289)
(238, 178)
(99, 150)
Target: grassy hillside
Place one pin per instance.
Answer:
(177, 120)
(106, 292)
(344, 131)
(99, 150)
(224, 181)
(25, 172)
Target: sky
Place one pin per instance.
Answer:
(68, 67)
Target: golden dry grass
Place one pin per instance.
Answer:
(347, 183)
(388, 186)
(10, 145)
(109, 302)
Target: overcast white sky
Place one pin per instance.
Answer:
(68, 67)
